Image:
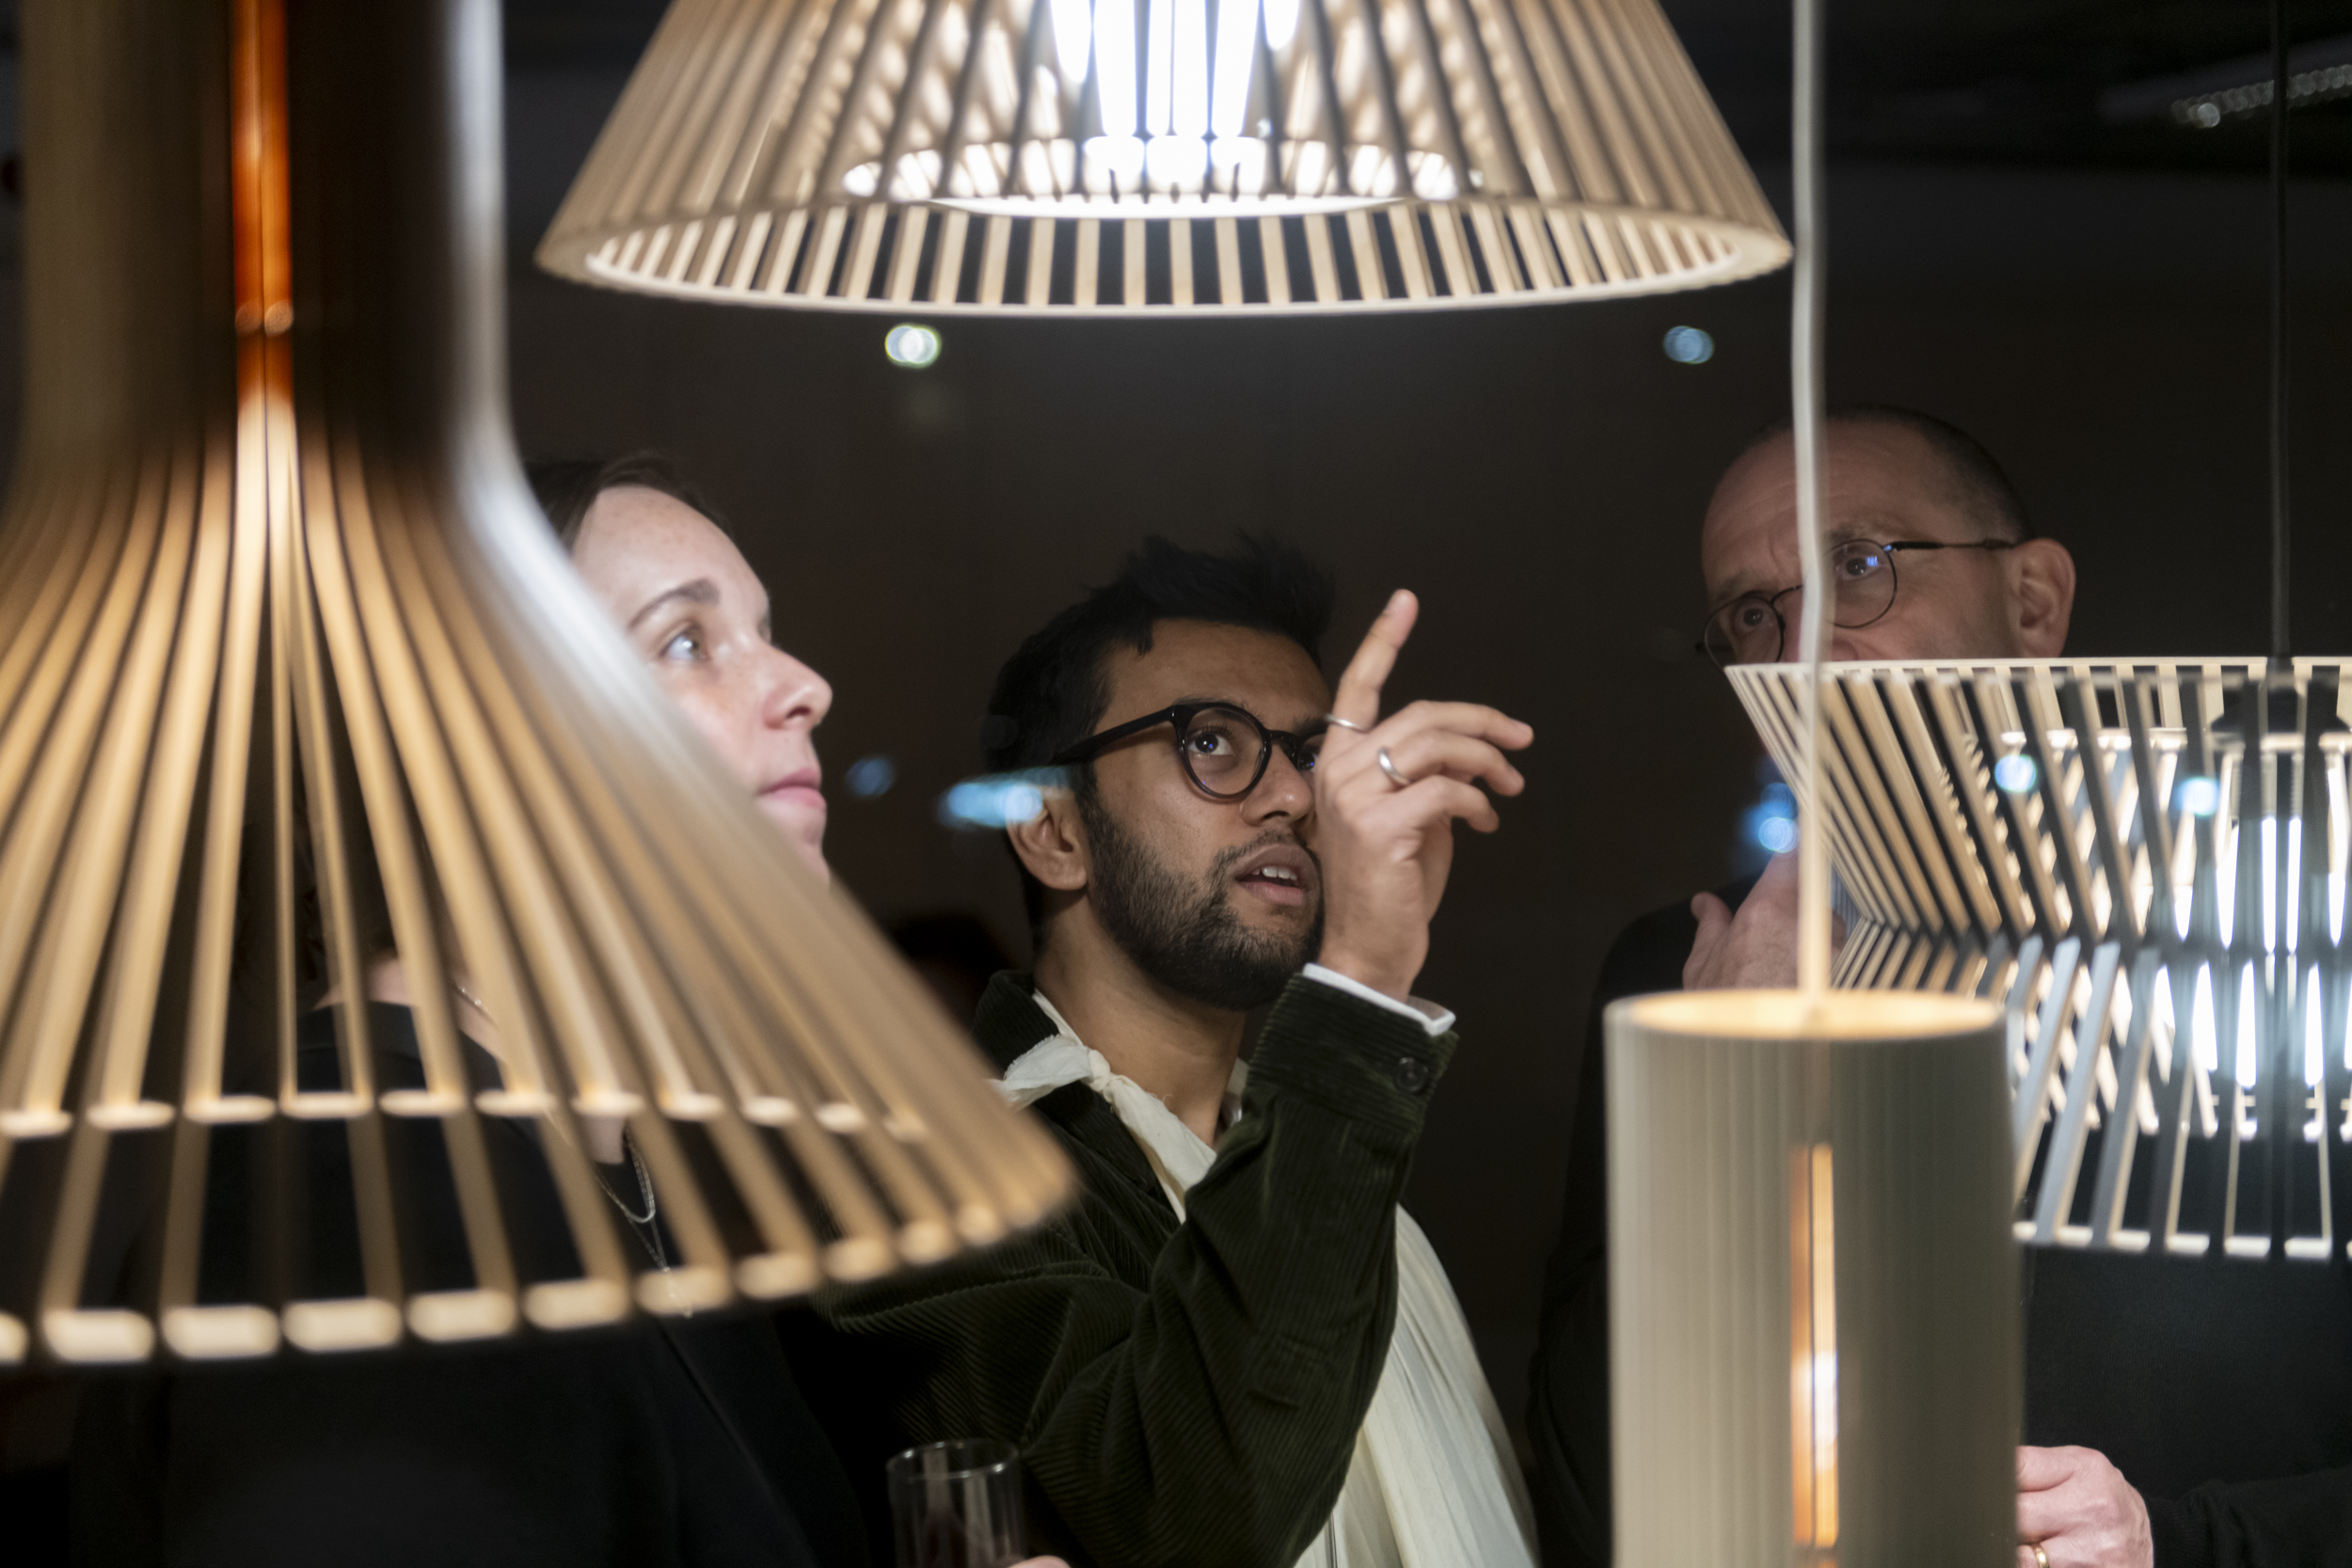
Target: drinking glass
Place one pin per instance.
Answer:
(958, 1505)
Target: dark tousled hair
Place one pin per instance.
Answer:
(1052, 692)
(1977, 482)
(567, 487)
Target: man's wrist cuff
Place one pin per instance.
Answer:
(1373, 1064)
(1427, 1014)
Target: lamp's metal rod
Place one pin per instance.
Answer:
(2280, 645)
(1805, 374)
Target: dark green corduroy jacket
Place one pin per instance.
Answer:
(1181, 1394)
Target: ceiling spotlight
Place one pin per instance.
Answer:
(1688, 345)
(915, 347)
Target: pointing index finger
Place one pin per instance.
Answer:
(1357, 698)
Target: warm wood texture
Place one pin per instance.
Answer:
(2145, 862)
(276, 607)
(1162, 158)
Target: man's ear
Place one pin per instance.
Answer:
(2041, 595)
(1052, 844)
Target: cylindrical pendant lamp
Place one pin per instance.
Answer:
(1162, 158)
(1813, 1307)
(283, 642)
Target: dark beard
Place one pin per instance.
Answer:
(1187, 937)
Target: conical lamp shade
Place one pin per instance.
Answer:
(1162, 158)
(283, 639)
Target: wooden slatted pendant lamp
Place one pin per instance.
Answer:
(2143, 861)
(1162, 158)
(283, 638)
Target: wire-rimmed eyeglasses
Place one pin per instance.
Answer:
(1224, 749)
(1750, 629)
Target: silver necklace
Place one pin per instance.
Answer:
(637, 1161)
(644, 1187)
(643, 1222)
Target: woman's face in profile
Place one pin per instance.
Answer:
(689, 603)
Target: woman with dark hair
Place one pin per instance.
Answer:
(667, 1441)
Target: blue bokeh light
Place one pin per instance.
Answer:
(996, 800)
(2015, 773)
(1688, 345)
(870, 776)
(1770, 824)
(2199, 795)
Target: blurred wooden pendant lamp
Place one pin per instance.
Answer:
(1813, 1307)
(1163, 158)
(283, 638)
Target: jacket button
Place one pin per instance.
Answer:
(1412, 1074)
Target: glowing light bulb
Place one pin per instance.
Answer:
(1073, 41)
(2201, 1032)
(2314, 1051)
(1236, 51)
(1115, 67)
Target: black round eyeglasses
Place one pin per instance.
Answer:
(1750, 629)
(1224, 748)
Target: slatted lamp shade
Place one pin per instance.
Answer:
(2144, 861)
(1162, 158)
(279, 625)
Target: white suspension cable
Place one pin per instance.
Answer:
(1806, 377)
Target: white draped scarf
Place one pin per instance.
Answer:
(1433, 1482)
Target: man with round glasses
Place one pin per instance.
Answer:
(1931, 554)
(1930, 557)
(1237, 1350)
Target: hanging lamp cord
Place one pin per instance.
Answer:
(1807, 397)
(2280, 641)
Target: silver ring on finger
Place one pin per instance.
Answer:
(1339, 723)
(1388, 765)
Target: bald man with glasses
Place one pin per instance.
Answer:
(1931, 556)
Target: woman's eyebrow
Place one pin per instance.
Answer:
(701, 590)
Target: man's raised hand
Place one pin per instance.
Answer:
(1385, 847)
